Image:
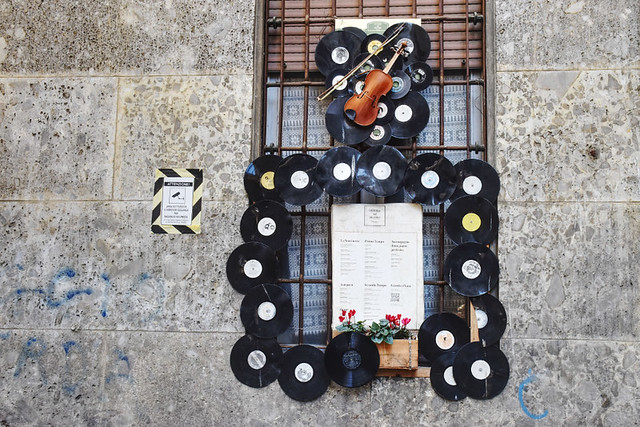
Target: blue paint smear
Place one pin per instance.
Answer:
(521, 387)
(67, 346)
(64, 273)
(107, 287)
(20, 267)
(124, 358)
(5, 336)
(33, 349)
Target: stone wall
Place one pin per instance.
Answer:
(102, 323)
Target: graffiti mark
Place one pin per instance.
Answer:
(49, 293)
(75, 367)
(146, 298)
(521, 387)
(107, 288)
(4, 335)
(20, 267)
(121, 368)
(34, 349)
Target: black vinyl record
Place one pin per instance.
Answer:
(351, 359)
(476, 178)
(421, 75)
(356, 32)
(417, 39)
(340, 127)
(371, 43)
(471, 219)
(410, 116)
(266, 311)
(442, 333)
(442, 379)
(334, 77)
(430, 179)
(386, 111)
(356, 84)
(295, 180)
(471, 269)
(401, 84)
(336, 171)
(258, 178)
(380, 135)
(251, 264)
(337, 50)
(267, 222)
(491, 317)
(481, 372)
(380, 170)
(255, 361)
(370, 64)
(303, 375)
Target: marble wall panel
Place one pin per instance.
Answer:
(196, 122)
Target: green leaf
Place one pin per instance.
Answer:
(375, 327)
(385, 332)
(376, 339)
(341, 328)
(388, 339)
(384, 322)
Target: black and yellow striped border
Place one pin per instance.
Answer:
(161, 174)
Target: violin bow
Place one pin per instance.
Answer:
(329, 91)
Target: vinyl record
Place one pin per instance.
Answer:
(380, 135)
(303, 376)
(430, 179)
(337, 50)
(258, 178)
(411, 115)
(442, 379)
(386, 111)
(380, 170)
(255, 361)
(351, 359)
(471, 219)
(492, 318)
(442, 333)
(471, 269)
(336, 171)
(356, 32)
(418, 41)
(481, 372)
(401, 84)
(295, 180)
(251, 264)
(371, 43)
(267, 222)
(476, 178)
(370, 64)
(421, 75)
(340, 127)
(266, 311)
(334, 77)
(356, 83)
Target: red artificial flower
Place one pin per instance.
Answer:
(351, 313)
(405, 321)
(344, 312)
(341, 319)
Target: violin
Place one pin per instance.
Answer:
(363, 107)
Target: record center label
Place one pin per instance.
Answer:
(252, 268)
(343, 85)
(373, 45)
(409, 42)
(266, 180)
(257, 360)
(341, 171)
(445, 340)
(377, 133)
(471, 269)
(351, 359)
(299, 179)
(472, 185)
(381, 171)
(403, 113)
(340, 55)
(304, 372)
(448, 376)
(267, 311)
(430, 179)
(382, 112)
(480, 370)
(482, 318)
(266, 226)
(471, 222)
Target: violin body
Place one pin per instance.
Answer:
(363, 108)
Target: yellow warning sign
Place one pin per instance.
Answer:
(177, 201)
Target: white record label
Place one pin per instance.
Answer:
(403, 113)
(340, 55)
(472, 185)
(480, 370)
(383, 111)
(482, 318)
(471, 269)
(267, 311)
(266, 226)
(445, 340)
(304, 372)
(343, 85)
(448, 376)
(430, 179)
(359, 86)
(252, 268)
(381, 170)
(299, 179)
(377, 133)
(341, 171)
(409, 43)
(257, 359)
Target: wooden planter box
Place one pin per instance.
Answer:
(402, 354)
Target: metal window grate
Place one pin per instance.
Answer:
(293, 122)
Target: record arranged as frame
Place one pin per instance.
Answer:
(401, 84)
(471, 219)
(471, 269)
(303, 375)
(381, 169)
(492, 318)
(295, 180)
(380, 135)
(351, 359)
(370, 64)
(441, 333)
(386, 112)
(442, 379)
(266, 311)
(421, 75)
(258, 178)
(334, 77)
(251, 264)
(371, 43)
(267, 222)
(255, 361)
(417, 39)
(336, 171)
(340, 127)
(481, 372)
(430, 179)
(476, 178)
(410, 116)
(337, 49)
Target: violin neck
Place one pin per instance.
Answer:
(392, 61)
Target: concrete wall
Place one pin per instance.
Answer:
(102, 323)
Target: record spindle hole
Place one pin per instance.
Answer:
(430, 179)
(472, 185)
(480, 370)
(303, 372)
(257, 360)
(471, 222)
(351, 359)
(445, 340)
(252, 268)
(381, 170)
(471, 269)
(267, 311)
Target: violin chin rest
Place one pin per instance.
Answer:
(351, 114)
